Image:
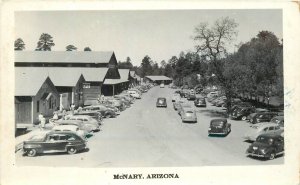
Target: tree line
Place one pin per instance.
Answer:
(45, 43)
(255, 69)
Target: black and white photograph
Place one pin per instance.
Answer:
(151, 88)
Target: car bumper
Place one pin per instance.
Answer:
(200, 105)
(255, 155)
(189, 119)
(161, 105)
(216, 133)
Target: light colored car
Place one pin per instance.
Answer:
(78, 123)
(134, 94)
(188, 115)
(162, 85)
(90, 122)
(262, 128)
(183, 106)
(176, 104)
(73, 128)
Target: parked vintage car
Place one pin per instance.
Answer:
(80, 124)
(188, 115)
(182, 106)
(134, 94)
(241, 113)
(219, 127)
(191, 96)
(257, 110)
(87, 120)
(262, 128)
(89, 112)
(200, 102)
(175, 97)
(267, 146)
(278, 120)
(53, 142)
(115, 103)
(161, 102)
(72, 128)
(263, 117)
(103, 110)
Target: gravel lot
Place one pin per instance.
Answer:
(146, 136)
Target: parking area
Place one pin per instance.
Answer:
(147, 136)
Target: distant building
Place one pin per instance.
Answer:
(158, 79)
(34, 94)
(117, 85)
(134, 79)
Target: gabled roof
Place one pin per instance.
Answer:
(28, 81)
(63, 56)
(124, 74)
(158, 78)
(94, 74)
(61, 76)
(113, 81)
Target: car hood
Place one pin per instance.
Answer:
(259, 146)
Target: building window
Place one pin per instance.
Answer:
(37, 106)
(49, 103)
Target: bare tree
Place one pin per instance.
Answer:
(212, 42)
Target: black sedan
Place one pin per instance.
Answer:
(219, 127)
(200, 102)
(52, 142)
(267, 146)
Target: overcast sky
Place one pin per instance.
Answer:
(159, 34)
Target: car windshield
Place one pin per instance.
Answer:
(217, 123)
(263, 139)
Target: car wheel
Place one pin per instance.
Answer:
(272, 156)
(31, 153)
(244, 118)
(108, 116)
(72, 150)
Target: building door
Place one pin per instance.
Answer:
(23, 112)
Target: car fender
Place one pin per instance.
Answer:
(37, 147)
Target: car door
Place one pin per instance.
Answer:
(279, 142)
(271, 129)
(51, 143)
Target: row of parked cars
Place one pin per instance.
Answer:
(266, 129)
(71, 129)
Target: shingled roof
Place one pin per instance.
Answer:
(28, 81)
(63, 56)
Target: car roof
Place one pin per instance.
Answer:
(161, 98)
(189, 109)
(219, 120)
(60, 132)
(271, 135)
(279, 117)
(65, 126)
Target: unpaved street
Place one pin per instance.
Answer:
(144, 135)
